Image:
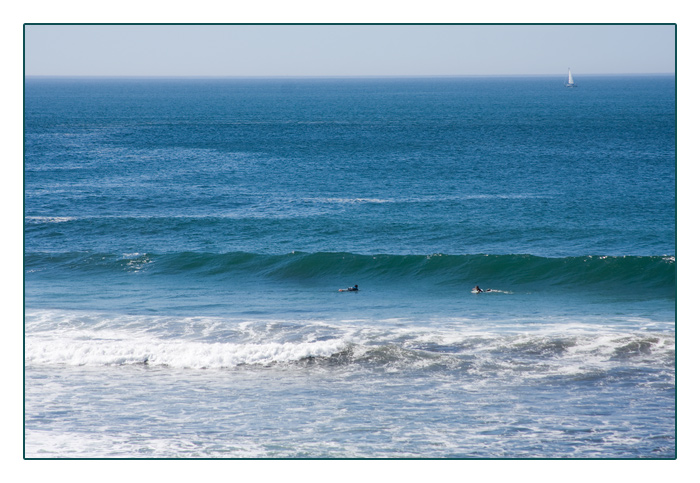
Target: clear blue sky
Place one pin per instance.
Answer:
(347, 50)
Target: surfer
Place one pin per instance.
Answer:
(349, 289)
(477, 289)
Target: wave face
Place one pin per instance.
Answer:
(603, 272)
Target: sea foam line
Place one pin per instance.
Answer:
(48, 219)
(178, 354)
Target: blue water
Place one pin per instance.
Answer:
(185, 241)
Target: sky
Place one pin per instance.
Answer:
(347, 50)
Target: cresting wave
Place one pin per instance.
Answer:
(606, 272)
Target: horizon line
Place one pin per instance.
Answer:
(329, 76)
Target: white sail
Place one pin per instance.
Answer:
(571, 78)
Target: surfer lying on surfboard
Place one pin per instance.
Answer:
(349, 289)
(478, 290)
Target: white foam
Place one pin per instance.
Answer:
(348, 200)
(80, 444)
(90, 348)
(48, 219)
(556, 346)
(136, 261)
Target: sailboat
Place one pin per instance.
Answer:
(571, 80)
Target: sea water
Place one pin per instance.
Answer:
(186, 239)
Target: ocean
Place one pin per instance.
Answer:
(186, 241)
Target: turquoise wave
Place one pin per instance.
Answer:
(611, 272)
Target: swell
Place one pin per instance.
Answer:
(607, 272)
